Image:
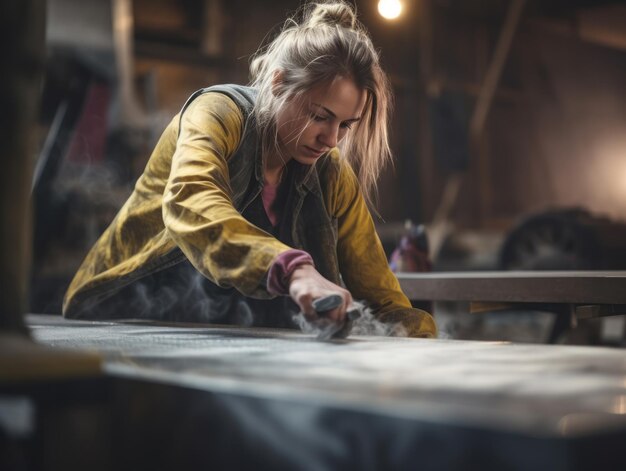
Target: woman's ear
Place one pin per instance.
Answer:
(277, 81)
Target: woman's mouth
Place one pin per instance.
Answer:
(313, 152)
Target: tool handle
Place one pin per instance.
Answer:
(327, 303)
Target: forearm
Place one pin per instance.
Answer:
(229, 251)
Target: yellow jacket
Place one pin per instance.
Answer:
(187, 205)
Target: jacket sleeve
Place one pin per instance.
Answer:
(198, 210)
(363, 263)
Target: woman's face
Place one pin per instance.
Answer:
(314, 123)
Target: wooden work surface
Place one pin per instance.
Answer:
(551, 391)
(224, 397)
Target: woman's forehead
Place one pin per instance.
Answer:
(340, 97)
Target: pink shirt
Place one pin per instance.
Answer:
(268, 195)
(285, 264)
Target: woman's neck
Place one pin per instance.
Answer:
(274, 168)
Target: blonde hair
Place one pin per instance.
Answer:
(327, 43)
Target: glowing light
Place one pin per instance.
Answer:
(606, 175)
(390, 9)
(619, 405)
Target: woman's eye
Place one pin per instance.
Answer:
(346, 125)
(317, 117)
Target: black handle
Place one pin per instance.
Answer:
(327, 303)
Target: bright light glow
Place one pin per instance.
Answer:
(606, 175)
(619, 405)
(390, 9)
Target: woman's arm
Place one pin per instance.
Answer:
(198, 210)
(362, 260)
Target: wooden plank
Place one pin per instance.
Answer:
(589, 287)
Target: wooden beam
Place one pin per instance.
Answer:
(22, 28)
(478, 146)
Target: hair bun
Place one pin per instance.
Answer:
(340, 14)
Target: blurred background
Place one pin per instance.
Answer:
(509, 131)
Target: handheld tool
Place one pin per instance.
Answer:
(334, 330)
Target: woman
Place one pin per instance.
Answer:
(248, 206)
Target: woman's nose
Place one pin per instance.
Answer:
(329, 137)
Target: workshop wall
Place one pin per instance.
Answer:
(563, 144)
(553, 136)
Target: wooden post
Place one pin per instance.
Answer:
(22, 31)
(426, 163)
(478, 148)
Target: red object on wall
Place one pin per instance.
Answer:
(89, 139)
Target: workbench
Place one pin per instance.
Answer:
(186, 396)
(571, 295)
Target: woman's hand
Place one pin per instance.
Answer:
(307, 285)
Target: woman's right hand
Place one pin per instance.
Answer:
(306, 285)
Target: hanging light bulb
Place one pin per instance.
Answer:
(390, 9)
